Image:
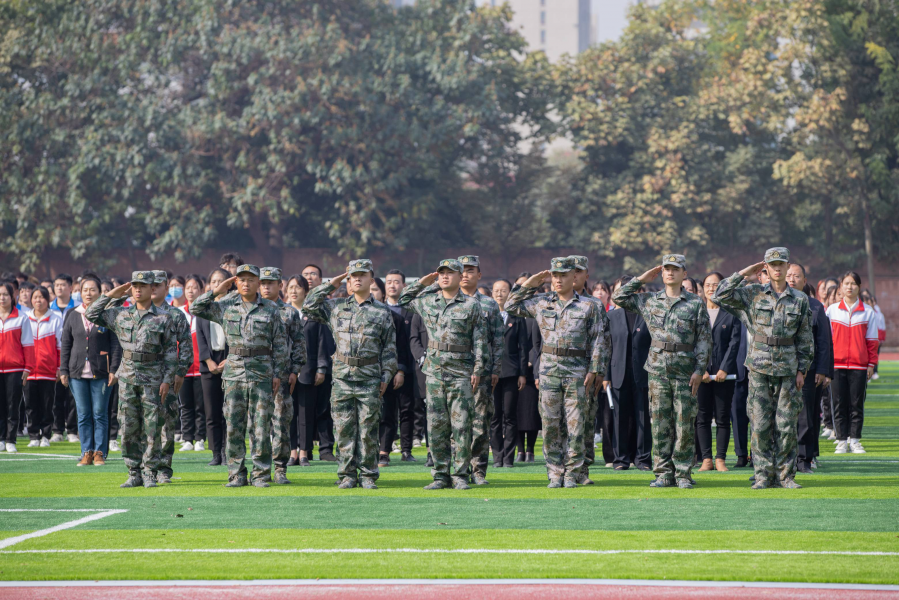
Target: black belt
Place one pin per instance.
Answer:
(448, 347)
(141, 356)
(357, 362)
(556, 351)
(774, 341)
(249, 352)
(672, 347)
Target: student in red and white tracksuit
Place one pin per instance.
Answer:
(46, 329)
(193, 415)
(16, 362)
(855, 342)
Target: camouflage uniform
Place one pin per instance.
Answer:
(457, 349)
(149, 359)
(483, 396)
(572, 347)
(365, 358)
(774, 401)
(682, 324)
(258, 353)
(593, 399)
(283, 412)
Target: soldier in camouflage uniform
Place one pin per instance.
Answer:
(257, 357)
(681, 346)
(573, 360)
(149, 363)
(269, 285)
(781, 350)
(457, 354)
(605, 344)
(364, 364)
(483, 409)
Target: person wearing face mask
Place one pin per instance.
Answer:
(46, 329)
(193, 417)
(175, 297)
(16, 363)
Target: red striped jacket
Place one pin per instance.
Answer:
(47, 334)
(16, 343)
(854, 335)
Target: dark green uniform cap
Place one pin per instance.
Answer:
(248, 270)
(360, 265)
(780, 254)
(675, 260)
(270, 274)
(146, 277)
(580, 262)
(451, 264)
(561, 264)
(160, 277)
(470, 260)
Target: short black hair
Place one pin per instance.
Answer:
(316, 267)
(622, 280)
(397, 272)
(855, 277)
(301, 281)
(524, 274)
(801, 267)
(716, 274)
(229, 256)
(64, 277)
(46, 280)
(13, 282)
(380, 283)
(43, 292)
(94, 278)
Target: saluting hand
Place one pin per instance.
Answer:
(536, 279)
(224, 286)
(650, 274)
(428, 279)
(336, 281)
(753, 270)
(119, 292)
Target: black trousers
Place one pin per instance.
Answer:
(65, 417)
(313, 416)
(504, 424)
(641, 434)
(10, 400)
(527, 440)
(213, 405)
(39, 407)
(809, 419)
(605, 421)
(420, 411)
(114, 412)
(714, 400)
(739, 418)
(193, 413)
(397, 414)
(849, 389)
(324, 423)
(827, 408)
(623, 421)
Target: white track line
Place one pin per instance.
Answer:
(29, 454)
(449, 582)
(67, 525)
(435, 551)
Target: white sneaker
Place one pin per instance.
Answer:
(187, 446)
(199, 446)
(178, 437)
(73, 438)
(56, 437)
(856, 447)
(597, 438)
(814, 464)
(875, 377)
(416, 443)
(45, 443)
(11, 448)
(832, 437)
(841, 447)
(114, 446)
(827, 432)
(34, 443)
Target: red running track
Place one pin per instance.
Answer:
(377, 591)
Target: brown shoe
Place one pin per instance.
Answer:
(706, 465)
(720, 466)
(98, 459)
(86, 459)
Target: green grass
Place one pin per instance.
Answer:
(851, 504)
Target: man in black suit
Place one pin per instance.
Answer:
(631, 431)
(402, 399)
(504, 424)
(818, 377)
(418, 341)
(324, 423)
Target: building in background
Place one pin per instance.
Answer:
(555, 26)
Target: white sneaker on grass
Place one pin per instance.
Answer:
(114, 446)
(875, 377)
(199, 446)
(56, 437)
(34, 443)
(11, 448)
(73, 438)
(842, 447)
(178, 438)
(187, 446)
(827, 432)
(855, 446)
(45, 443)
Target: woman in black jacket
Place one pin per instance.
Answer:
(89, 358)
(213, 351)
(512, 379)
(716, 392)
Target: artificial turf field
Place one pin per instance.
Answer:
(843, 526)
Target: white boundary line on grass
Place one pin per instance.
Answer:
(100, 514)
(450, 582)
(434, 551)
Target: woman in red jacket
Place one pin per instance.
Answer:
(16, 363)
(854, 326)
(46, 329)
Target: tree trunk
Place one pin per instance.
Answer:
(869, 242)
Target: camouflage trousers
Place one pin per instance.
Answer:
(563, 408)
(356, 410)
(248, 405)
(480, 426)
(450, 405)
(281, 418)
(593, 400)
(673, 409)
(773, 407)
(171, 412)
(140, 416)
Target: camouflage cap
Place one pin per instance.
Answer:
(450, 263)
(779, 254)
(160, 277)
(562, 264)
(360, 265)
(270, 274)
(469, 260)
(580, 262)
(146, 277)
(675, 260)
(248, 270)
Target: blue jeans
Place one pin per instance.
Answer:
(92, 404)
